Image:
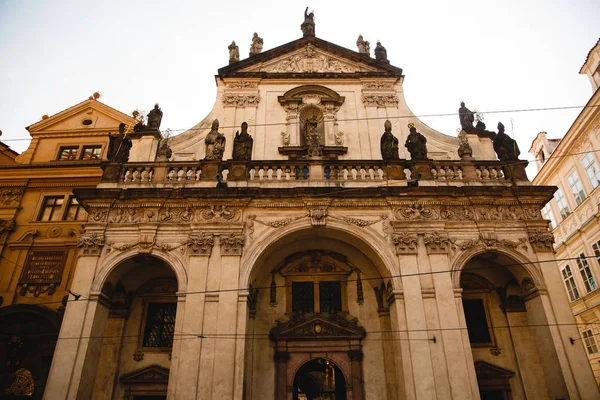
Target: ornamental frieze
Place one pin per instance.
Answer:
(378, 85)
(241, 100)
(541, 241)
(421, 211)
(242, 85)
(90, 244)
(185, 214)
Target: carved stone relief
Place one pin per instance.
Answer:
(541, 241)
(417, 210)
(90, 244)
(311, 60)
(242, 85)
(377, 85)
(490, 240)
(318, 216)
(232, 244)
(380, 100)
(437, 243)
(144, 245)
(406, 243)
(175, 214)
(241, 100)
(200, 245)
(10, 197)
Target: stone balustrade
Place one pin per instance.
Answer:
(256, 172)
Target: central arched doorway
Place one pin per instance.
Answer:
(319, 379)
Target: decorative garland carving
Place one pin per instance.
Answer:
(9, 197)
(491, 240)
(200, 245)
(378, 85)
(90, 244)
(437, 243)
(416, 211)
(541, 241)
(406, 243)
(362, 223)
(232, 244)
(278, 223)
(380, 100)
(241, 100)
(143, 246)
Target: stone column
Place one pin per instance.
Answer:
(75, 361)
(459, 364)
(418, 336)
(225, 367)
(186, 361)
(110, 356)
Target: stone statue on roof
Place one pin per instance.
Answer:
(308, 26)
(119, 146)
(389, 143)
(234, 53)
(242, 144)
(257, 45)
(505, 147)
(416, 144)
(364, 47)
(381, 53)
(155, 117)
(467, 117)
(215, 143)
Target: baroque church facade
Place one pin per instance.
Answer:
(306, 240)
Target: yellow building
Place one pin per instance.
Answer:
(572, 164)
(331, 249)
(40, 222)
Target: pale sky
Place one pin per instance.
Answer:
(494, 55)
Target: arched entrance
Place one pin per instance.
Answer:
(316, 299)
(28, 337)
(507, 328)
(319, 379)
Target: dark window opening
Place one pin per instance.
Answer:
(330, 296)
(303, 297)
(477, 324)
(160, 325)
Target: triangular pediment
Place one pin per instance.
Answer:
(89, 115)
(486, 370)
(318, 327)
(151, 374)
(309, 55)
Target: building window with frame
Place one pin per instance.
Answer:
(68, 153)
(61, 208)
(591, 169)
(51, 208)
(590, 342)
(91, 152)
(596, 247)
(80, 152)
(549, 215)
(576, 187)
(570, 283)
(561, 202)
(586, 273)
(159, 325)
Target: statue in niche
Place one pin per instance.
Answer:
(308, 26)
(234, 53)
(505, 147)
(242, 144)
(155, 117)
(119, 146)
(257, 45)
(389, 143)
(467, 117)
(215, 143)
(416, 144)
(381, 53)
(364, 47)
